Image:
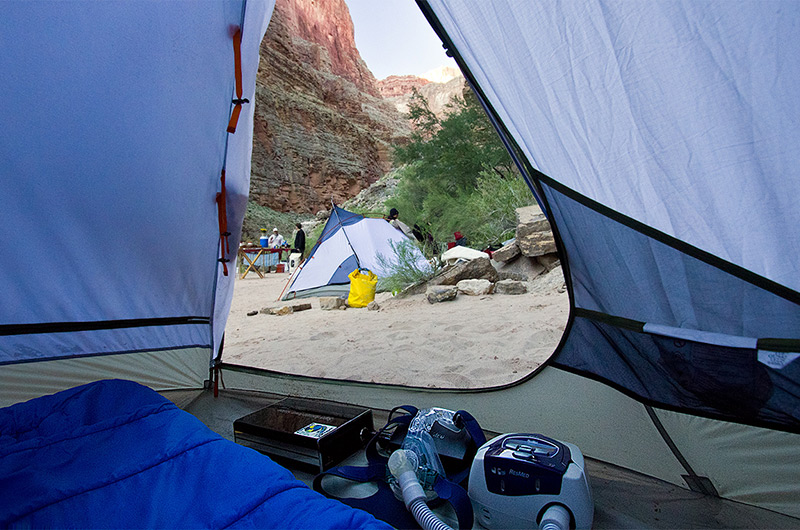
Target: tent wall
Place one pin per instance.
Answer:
(160, 370)
(662, 140)
(113, 144)
(748, 464)
(238, 158)
(673, 114)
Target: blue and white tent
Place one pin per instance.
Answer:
(348, 241)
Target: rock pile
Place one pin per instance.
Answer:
(529, 255)
(532, 252)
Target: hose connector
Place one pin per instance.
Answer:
(556, 517)
(403, 466)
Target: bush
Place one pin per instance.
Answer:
(458, 176)
(403, 267)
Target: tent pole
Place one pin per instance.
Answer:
(345, 233)
(693, 480)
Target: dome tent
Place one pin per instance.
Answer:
(348, 241)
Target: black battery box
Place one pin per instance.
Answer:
(312, 435)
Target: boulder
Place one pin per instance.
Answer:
(534, 237)
(549, 261)
(522, 269)
(441, 293)
(474, 287)
(478, 268)
(506, 253)
(510, 287)
(550, 282)
(537, 244)
(327, 303)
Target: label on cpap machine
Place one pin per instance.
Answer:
(315, 430)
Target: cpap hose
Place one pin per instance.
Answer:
(403, 465)
(556, 517)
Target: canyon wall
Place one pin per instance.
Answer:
(322, 130)
(400, 85)
(438, 95)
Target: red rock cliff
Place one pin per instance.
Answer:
(400, 85)
(327, 23)
(321, 129)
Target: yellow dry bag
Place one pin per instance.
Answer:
(362, 287)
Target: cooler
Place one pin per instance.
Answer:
(294, 261)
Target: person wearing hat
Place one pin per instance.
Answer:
(275, 241)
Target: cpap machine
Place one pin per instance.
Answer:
(530, 481)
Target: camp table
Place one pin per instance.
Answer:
(259, 251)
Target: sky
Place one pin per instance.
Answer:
(394, 38)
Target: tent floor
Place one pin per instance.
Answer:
(623, 499)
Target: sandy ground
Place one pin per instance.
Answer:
(471, 342)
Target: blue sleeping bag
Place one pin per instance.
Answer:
(115, 454)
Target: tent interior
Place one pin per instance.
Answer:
(660, 139)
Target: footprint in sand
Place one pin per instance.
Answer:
(454, 380)
(324, 335)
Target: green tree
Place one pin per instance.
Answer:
(458, 174)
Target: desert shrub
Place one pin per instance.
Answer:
(493, 206)
(403, 267)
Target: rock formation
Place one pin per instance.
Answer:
(322, 130)
(478, 268)
(534, 237)
(443, 74)
(398, 90)
(400, 85)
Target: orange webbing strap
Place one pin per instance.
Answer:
(237, 60)
(222, 211)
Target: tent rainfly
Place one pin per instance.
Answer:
(348, 241)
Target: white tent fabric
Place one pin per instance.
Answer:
(114, 138)
(348, 241)
(679, 112)
(666, 136)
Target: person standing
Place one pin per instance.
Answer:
(300, 241)
(275, 241)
